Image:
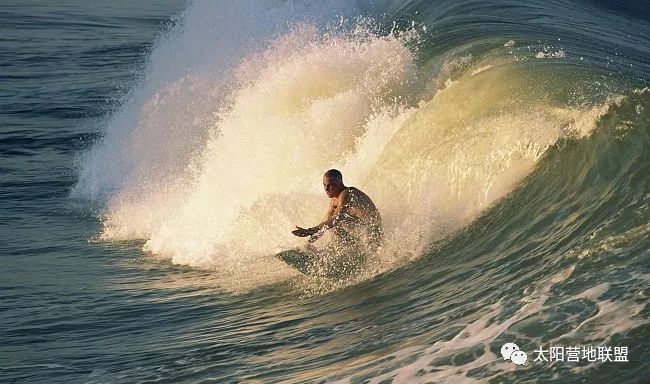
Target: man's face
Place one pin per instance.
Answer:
(332, 186)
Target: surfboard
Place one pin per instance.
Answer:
(299, 260)
(321, 263)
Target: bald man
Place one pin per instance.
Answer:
(352, 216)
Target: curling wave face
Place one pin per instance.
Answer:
(506, 145)
(215, 167)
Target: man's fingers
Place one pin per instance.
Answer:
(300, 232)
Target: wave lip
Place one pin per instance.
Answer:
(213, 168)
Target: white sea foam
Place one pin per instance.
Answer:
(219, 153)
(559, 54)
(424, 364)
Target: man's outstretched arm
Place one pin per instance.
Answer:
(331, 218)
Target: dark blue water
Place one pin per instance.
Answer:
(155, 155)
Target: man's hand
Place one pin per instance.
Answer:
(303, 232)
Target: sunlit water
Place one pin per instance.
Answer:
(155, 156)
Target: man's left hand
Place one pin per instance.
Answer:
(303, 232)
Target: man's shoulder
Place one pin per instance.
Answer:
(355, 191)
(355, 194)
(350, 191)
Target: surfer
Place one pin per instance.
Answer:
(352, 216)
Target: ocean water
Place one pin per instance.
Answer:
(156, 155)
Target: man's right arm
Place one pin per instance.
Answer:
(304, 232)
(334, 213)
(326, 223)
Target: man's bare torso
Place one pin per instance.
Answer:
(359, 210)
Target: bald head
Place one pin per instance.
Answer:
(333, 183)
(334, 174)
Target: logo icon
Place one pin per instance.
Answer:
(510, 351)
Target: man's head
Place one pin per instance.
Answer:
(333, 183)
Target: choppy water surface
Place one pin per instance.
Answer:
(156, 155)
